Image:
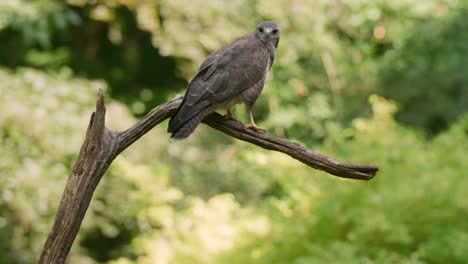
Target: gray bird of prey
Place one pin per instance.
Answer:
(232, 74)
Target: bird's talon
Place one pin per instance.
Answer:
(227, 117)
(255, 128)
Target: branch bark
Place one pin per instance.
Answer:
(101, 146)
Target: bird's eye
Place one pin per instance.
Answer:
(260, 30)
(275, 31)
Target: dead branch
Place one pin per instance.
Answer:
(101, 146)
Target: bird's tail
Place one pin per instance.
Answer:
(188, 127)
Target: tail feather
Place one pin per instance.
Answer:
(185, 113)
(188, 127)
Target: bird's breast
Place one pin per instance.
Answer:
(228, 104)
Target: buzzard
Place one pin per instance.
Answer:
(232, 74)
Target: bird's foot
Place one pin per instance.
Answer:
(228, 117)
(254, 127)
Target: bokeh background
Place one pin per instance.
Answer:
(382, 82)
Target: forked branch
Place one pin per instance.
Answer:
(101, 146)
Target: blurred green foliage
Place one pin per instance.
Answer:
(380, 82)
(427, 68)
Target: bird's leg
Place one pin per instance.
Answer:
(251, 124)
(228, 114)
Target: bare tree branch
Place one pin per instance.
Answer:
(101, 146)
(307, 156)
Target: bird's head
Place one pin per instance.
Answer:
(268, 32)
